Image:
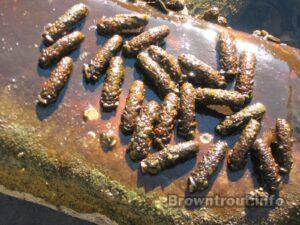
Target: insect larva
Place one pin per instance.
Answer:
(200, 72)
(141, 42)
(169, 157)
(108, 140)
(209, 96)
(199, 178)
(245, 79)
(64, 24)
(282, 148)
(60, 48)
(161, 80)
(100, 62)
(211, 14)
(112, 84)
(175, 5)
(238, 156)
(133, 106)
(141, 140)
(238, 120)
(58, 78)
(266, 165)
(166, 61)
(228, 55)
(166, 121)
(187, 115)
(159, 5)
(122, 24)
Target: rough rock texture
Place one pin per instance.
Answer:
(227, 7)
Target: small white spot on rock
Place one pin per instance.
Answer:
(83, 55)
(92, 27)
(92, 134)
(21, 154)
(206, 138)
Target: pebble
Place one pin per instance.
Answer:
(90, 114)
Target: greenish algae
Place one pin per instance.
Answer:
(227, 7)
(26, 167)
(70, 183)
